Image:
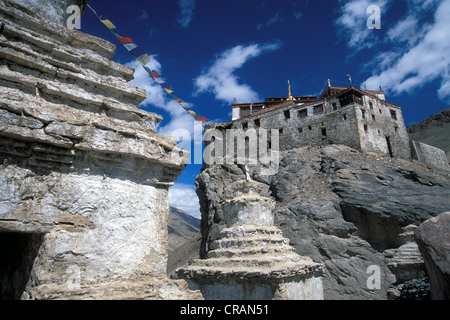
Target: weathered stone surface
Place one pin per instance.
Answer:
(433, 238)
(338, 206)
(250, 259)
(83, 176)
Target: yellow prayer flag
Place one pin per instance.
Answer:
(144, 59)
(168, 91)
(109, 24)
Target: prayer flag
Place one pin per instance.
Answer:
(144, 59)
(185, 106)
(130, 46)
(108, 24)
(124, 40)
(136, 52)
(159, 80)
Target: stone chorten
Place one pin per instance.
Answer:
(84, 177)
(251, 260)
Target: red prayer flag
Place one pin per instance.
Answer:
(124, 40)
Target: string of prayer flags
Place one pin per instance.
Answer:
(144, 59)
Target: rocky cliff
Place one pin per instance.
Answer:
(434, 131)
(340, 207)
(181, 227)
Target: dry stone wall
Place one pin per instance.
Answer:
(83, 175)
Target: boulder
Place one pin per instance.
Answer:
(433, 239)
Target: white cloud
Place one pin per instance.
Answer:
(187, 8)
(422, 58)
(183, 197)
(157, 97)
(352, 24)
(220, 78)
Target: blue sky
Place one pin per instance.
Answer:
(216, 52)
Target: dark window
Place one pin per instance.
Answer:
(393, 115)
(396, 129)
(257, 123)
(350, 98)
(388, 142)
(281, 130)
(287, 115)
(324, 132)
(334, 104)
(373, 117)
(309, 128)
(366, 128)
(371, 105)
(345, 117)
(318, 109)
(303, 113)
(363, 113)
(245, 111)
(244, 126)
(300, 130)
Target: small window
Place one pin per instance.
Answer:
(303, 113)
(396, 129)
(300, 130)
(324, 132)
(371, 105)
(345, 117)
(309, 128)
(281, 130)
(363, 113)
(318, 109)
(244, 111)
(393, 115)
(366, 128)
(257, 123)
(334, 105)
(373, 117)
(244, 126)
(287, 115)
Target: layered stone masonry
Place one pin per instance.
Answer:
(251, 259)
(83, 175)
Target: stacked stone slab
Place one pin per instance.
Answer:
(251, 260)
(83, 176)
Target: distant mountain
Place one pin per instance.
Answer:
(181, 227)
(434, 130)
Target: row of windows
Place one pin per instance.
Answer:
(393, 114)
(317, 110)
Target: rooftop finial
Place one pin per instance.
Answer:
(290, 94)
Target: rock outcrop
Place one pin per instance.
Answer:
(83, 176)
(181, 227)
(433, 238)
(433, 131)
(340, 207)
